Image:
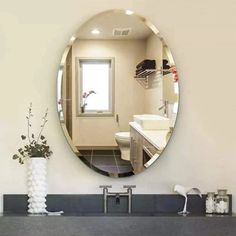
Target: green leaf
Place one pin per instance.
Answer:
(23, 137)
(15, 157)
(32, 135)
(21, 151)
(42, 137)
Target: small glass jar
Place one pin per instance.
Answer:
(222, 202)
(210, 203)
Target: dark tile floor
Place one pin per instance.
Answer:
(107, 161)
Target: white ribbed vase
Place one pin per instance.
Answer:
(37, 186)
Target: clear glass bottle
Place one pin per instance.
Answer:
(222, 202)
(210, 203)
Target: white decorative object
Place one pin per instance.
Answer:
(183, 191)
(210, 203)
(37, 187)
(222, 207)
(222, 202)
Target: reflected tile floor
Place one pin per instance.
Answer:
(106, 160)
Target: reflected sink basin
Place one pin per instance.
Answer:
(152, 122)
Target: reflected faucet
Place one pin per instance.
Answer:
(117, 195)
(165, 107)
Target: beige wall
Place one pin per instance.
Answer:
(169, 92)
(201, 151)
(129, 95)
(155, 90)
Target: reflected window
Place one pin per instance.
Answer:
(96, 87)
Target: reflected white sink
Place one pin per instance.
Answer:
(152, 122)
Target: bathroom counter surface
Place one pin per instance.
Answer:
(156, 137)
(169, 215)
(172, 225)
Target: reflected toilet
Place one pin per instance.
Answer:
(123, 141)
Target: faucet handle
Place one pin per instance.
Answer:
(129, 186)
(105, 186)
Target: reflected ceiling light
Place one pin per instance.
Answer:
(129, 12)
(95, 31)
(73, 38)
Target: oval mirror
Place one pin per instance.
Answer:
(117, 93)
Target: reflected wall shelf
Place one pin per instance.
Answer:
(145, 73)
(143, 77)
(166, 71)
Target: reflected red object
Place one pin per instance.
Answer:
(174, 74)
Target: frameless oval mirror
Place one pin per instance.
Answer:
(117, 93)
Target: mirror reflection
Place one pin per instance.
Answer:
(117, 93)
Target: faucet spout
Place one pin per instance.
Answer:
(117, 196)
(165, 108)
(117, 199)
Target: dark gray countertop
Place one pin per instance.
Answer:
(76, 214)
(156, 225)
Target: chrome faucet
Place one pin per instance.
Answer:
(117, 195)
(165, 107)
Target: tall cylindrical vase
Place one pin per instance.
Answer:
(37, 186)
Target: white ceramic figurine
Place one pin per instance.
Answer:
(183, 191)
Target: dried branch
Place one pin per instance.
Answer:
(44, 121)
(28, 121)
